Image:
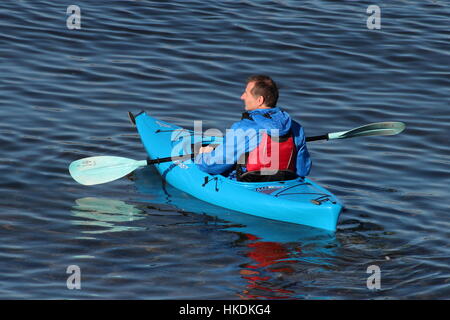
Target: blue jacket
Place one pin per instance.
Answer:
(244, 136)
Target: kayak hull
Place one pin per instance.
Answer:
(299, 201)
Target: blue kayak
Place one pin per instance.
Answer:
(299, 201)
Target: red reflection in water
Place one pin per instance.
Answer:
(265, 254)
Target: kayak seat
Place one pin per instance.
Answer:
(257, 176)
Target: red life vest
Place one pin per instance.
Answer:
(272, 154)
(273, 159)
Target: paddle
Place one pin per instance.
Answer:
(372, 129)
(102, 169)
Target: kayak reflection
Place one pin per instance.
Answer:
(153, 189)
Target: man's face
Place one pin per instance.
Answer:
(251, 102)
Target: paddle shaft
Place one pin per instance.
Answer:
(102, 169)
(192, 155)
(167, 159)
(373, 129)
(317, 138)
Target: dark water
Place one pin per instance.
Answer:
(65, 94)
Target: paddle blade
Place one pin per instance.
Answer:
(102, 169)
(373, 129)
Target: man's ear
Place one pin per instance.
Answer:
(261, 100)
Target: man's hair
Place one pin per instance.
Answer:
(266, 87)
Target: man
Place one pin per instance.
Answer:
(265, 145)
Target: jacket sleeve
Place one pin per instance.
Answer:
(304, 162)
(238, 140)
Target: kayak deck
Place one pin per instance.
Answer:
(299, 201)
(295, 190)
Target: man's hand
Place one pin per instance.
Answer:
(206, 149)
